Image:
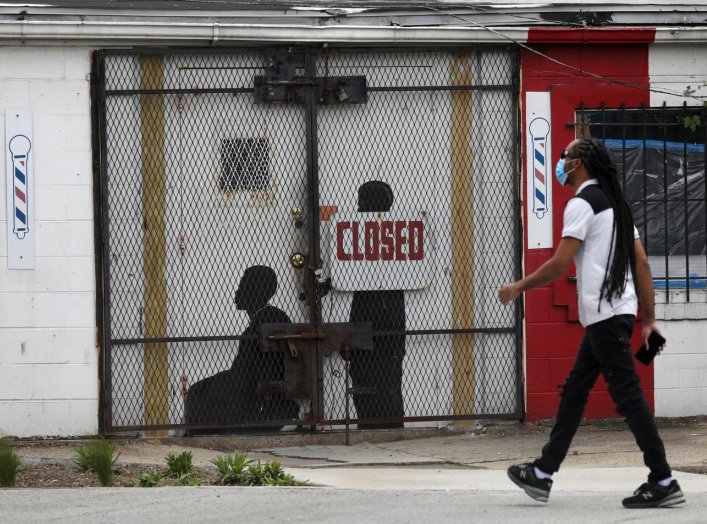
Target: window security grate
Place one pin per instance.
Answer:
(660, 156)
(244, 164)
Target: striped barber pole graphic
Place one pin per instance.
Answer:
(20, 146)
(539, 129)
(19, 188)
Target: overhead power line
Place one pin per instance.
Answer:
(570, 66)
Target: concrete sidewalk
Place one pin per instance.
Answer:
(389, 477)
(427, 459)
(604, 457)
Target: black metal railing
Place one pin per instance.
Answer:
(660, 156)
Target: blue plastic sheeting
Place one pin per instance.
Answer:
(681, 283)
(666, 191)
(678, 147)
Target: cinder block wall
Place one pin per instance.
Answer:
(680, 371)
(680, 386)
(48, 355)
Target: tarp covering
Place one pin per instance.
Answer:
(665, 184)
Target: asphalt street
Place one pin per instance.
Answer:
(224, 504)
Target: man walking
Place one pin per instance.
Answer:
(598, 232)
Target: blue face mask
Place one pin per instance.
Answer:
(560, 173)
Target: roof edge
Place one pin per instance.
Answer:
(147, 33)
(110, 33)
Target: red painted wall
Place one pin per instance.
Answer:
(552, 330)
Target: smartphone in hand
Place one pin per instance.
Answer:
(645, 355)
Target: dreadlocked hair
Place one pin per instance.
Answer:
(621, 254)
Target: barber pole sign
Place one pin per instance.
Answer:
(380, 251)
(539, 170)
(20, 189)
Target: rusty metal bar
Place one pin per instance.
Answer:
(182, 91)
(413, 332)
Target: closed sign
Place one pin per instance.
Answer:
(379, 251)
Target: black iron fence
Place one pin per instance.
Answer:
(660, 155)
(308, 237)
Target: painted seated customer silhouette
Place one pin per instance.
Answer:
(232, 396)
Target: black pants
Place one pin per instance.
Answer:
(606, 348)
(382, 370)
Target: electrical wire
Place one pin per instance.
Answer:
(630, 85)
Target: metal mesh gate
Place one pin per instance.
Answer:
(308, 237)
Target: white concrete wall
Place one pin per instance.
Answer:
(680, 385)
(680, 371)
(48, 356)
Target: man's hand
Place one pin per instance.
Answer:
(549, 271)
(649, 327)
(509, 293)
(646, 294)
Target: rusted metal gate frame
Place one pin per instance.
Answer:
(99, 96)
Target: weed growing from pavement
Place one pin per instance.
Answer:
(178, 465)
(98, 456)
(146, 480)
(270, 474)
(232, 468)
(181, 468)
(9, 464)
(189, 479)
(238, 470)
(235, 470)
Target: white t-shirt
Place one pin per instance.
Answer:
(589, 217)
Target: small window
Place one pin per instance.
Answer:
(245, 164)
(660, 157)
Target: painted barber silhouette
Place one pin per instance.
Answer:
(232, 395)
(382, 367)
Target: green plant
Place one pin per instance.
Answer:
(693, 122)
(237, 469)
(9, 464)
(98, 456)
(270, 474)
(232, 468)
(255, 476)
(276, 476)
(179, 465)
(145, 480)
(189, 479)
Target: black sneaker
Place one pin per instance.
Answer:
(523, 475)
(650, 495)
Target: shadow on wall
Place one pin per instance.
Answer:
(381, 368)
(231, 397)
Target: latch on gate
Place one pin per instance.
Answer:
(328, 90)
(299, 343)
(282, 85)
(290, 339)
